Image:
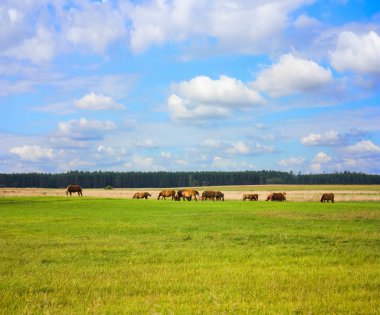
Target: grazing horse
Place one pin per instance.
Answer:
(213, 195)
(327, 197)
(188, 194)
(277, 197)
(141, 195)
(219, 196)
(251, 197)
(74, 188)
(208, 194)
(166, 193)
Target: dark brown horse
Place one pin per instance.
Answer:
(208, 194)
(251, 197)
(327, 197)
(74, 188)
(277, 197)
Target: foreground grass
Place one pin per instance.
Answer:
(110, 256)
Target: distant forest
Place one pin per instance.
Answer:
(179, 179)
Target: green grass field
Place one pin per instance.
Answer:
(111, 256)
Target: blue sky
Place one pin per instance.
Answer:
(184, 85)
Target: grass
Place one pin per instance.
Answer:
(112, 256)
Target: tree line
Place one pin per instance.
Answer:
(102, 179)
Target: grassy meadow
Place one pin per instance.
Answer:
(62, 255)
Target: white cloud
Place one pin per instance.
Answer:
(33, 153)
(244, 26)
(291, 75)
(236, 148)
(212, 144)
(94, 25)
(292, 161)
(328, 138)
(225, 91)
(203, 97)
(358, 53)
(105, 150)
(322, 157)
(145, 144)
(14, 28)
(240, 148)
(259, 148)
(245, 149)
(78, 133)
(320, 162)
(363, 147)
(37, 49)
(181, 109)
(165, 155)
(306, 22)
(140, 163)
(221, 163)
(94, 101)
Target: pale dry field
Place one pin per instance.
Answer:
(293, 193)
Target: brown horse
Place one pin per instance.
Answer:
(74, 188)
(213, 195)
(166, 193)
(141, 195)
(188, 194)
(251, 197)
(219, 196)
(208, 194)
(327, 197)
(277, 197)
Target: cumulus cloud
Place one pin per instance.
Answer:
(363, 147)
(37, 30)
(32, 153)
(225, 91)
(244, 25)
(320, 161)
(12, 23)
(79, 132)
(237, 148)
(322, 157)
(94, 25)
(205, 98)
(331, 137)
(358, 53)
(37, 49)
(181, 109)
(94, 101)
(240, 148)
(306, 22)
(291, 75)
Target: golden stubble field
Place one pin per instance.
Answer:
(293, 192)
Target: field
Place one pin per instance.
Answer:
(294, 192)
(63, 255)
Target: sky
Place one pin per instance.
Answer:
(190, 85)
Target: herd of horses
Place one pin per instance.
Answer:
(189, 194)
